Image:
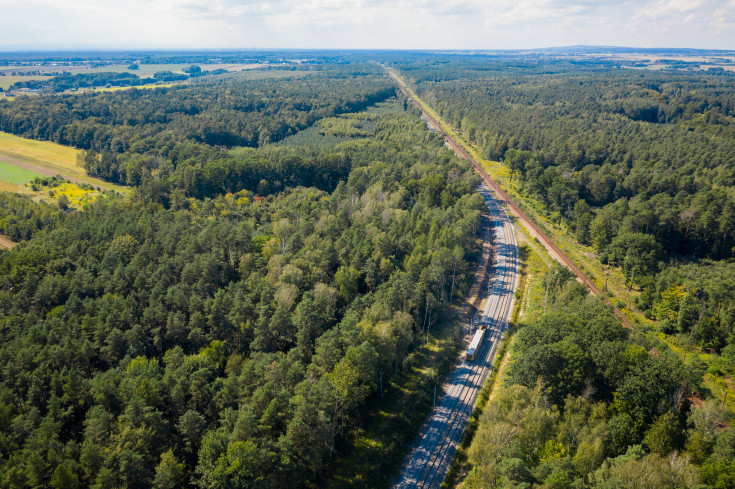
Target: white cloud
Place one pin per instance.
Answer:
(667, 8)
(408, 24)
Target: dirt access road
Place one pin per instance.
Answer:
(533, 230)
(6, 242)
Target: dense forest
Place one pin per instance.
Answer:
(228, 336)
(648, 152)
(182, 134)
(635, 163)
(587, 406)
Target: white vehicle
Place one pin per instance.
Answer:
(475, 344)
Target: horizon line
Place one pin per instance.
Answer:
(292, 49)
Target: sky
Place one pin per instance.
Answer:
(364, 24)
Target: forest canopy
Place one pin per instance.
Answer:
(227, 325)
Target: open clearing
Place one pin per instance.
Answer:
(9, 187)
(5, 242)
(58, 154)
(46, 158)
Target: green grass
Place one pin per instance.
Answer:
(537, 263)
(16, 175)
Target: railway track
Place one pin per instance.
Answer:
(428, 462)
(533, 229)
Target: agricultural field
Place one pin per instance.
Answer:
(15, 175)
(46, 158)
(7, 80)
(63, 156)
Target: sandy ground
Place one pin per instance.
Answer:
(5, 242)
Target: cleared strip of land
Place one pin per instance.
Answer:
(5, 242)
(427, 464)
(534, 230)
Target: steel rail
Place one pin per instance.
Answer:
(533, 229)
(429, 461)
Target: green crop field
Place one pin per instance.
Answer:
(16, 175)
